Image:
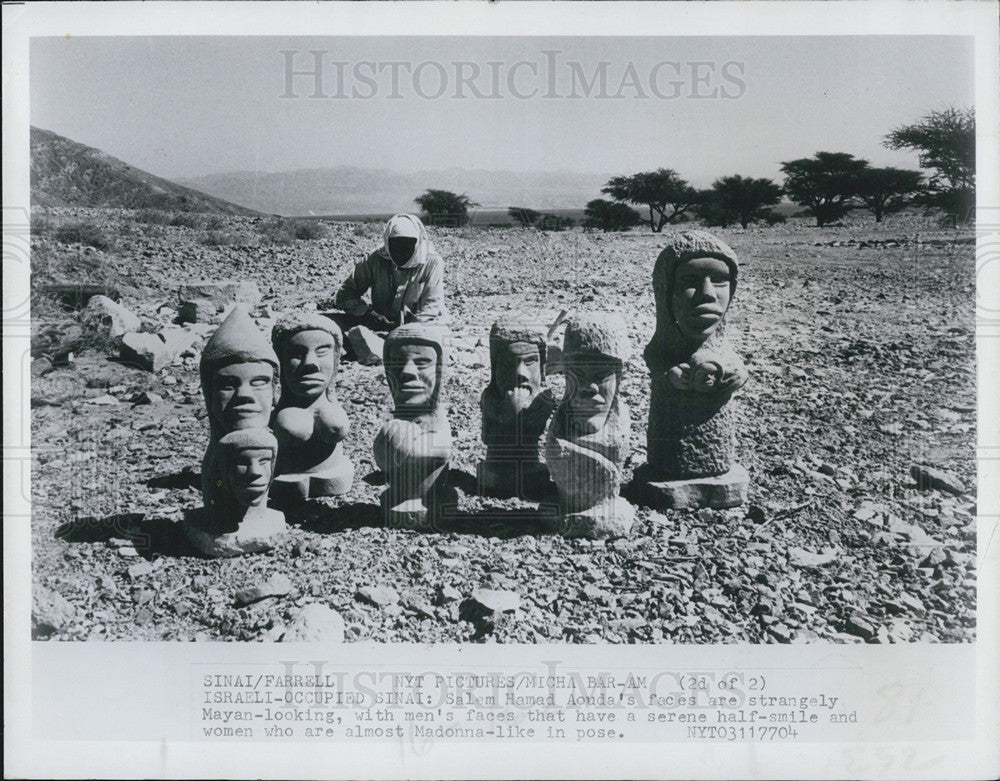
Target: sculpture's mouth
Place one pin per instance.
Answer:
(311, 379)
(412, 389)
(241, 413)
(707, 311)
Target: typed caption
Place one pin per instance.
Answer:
(310, 700)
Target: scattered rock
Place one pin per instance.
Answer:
(446, 594)
(366, 344)
(860, 626)
(146, 397)
(799, 557)
(928, 477)
(495, 600)
(315, 623)
(102, 401)
(277, 585)
(139, 570)
(379, 596)
(50, 612)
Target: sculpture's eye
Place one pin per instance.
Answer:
(423, 362)
(260, 381)
(323, 350)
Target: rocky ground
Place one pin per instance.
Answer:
(860, 344)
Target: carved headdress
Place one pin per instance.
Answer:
(667, 343)
(505, 332)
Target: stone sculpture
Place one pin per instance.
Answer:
(309, 421)
(588, 438)
(413, 449)
(516, 408)
(239, 374)
(239, 520)
(695, 372)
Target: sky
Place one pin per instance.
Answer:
(704, 106)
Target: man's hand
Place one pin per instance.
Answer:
(379, 322)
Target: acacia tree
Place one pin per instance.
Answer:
(946, 142)
(824, 183)
(662, 192)
(887, 190)
(444, 207)
(733, 198)
(610, 215)
(523, 216)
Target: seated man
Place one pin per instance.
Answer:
(406, 279)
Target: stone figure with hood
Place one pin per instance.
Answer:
(239, 377)
(694, 373)
(309, 422)
(404, 280)
(588, 438)
(516, 407)
(414, 447)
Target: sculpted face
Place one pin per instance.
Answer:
(591, 386)
(250, 475)
(412, 374)
(700, 296)
(242, 395)
(518, 369)
(309, 363)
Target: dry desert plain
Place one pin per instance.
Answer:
(859, 339)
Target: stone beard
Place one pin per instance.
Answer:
(239, 521)
(694, 374)
(238, 372)
(588, 440)
(309, 421)
(414, 448)
(515, 409)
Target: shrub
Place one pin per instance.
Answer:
(553, 222)
(224, 238)
(610, 215)
(187, 220)
(153, 217)
(83, 233)
(308, 230)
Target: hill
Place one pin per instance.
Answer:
(66, 173)
(354, 190)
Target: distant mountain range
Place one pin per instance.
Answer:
(353, 190)
(66, 173)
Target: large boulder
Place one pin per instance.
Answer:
(154, 352)
(201, 302)
(104, 320)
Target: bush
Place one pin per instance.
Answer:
(610, 215)
(224, 238)
(187, 220)
(153, 217)
(308, 230)
(83, 233)
(553, 222)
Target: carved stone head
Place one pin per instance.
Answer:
(517, 359)
(308, 346)
(594, 350)
(239, 375)
(694, 281)
(247, 466)
(414, 358)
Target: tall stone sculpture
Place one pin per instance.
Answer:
(413, 449)
(515, 406)
(588, 438)
(239, 521)
(695, 372)
(239, 374)
(309, 421)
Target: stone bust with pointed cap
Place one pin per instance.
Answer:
(414, 448)
(239, 377)
(309, 422)
(516, 407)
(694, 374)
(239, 521)
(588, 438)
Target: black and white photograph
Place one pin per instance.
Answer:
(507, 342)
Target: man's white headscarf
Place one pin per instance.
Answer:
(408, 225)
